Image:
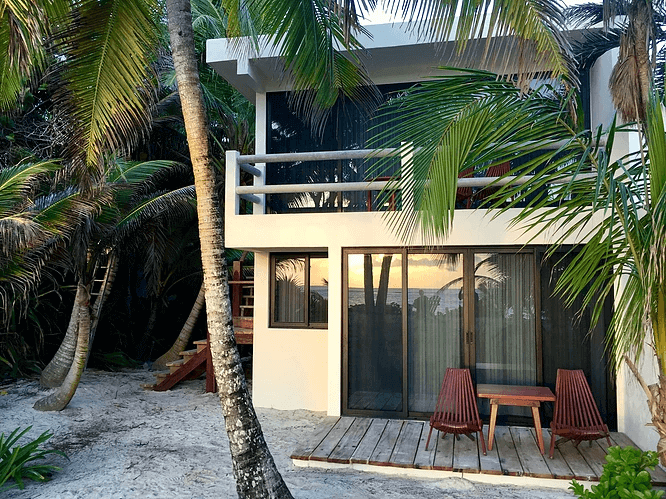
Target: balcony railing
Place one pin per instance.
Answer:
(256, 165)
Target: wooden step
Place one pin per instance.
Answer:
(175, 365)
(201, 344)
(161, 376)
(244, 336)
(244, 322)
(188, 354)
(148, 386)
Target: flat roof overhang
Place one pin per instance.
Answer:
(393, 53)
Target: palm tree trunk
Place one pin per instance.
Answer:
(185, 333)
(59, 399)
(254, 469)
(54, 373)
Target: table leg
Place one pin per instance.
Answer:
(491, 429)
(537, 427)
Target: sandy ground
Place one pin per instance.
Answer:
(124, 442)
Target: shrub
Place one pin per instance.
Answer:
(624, 476)
(14, 459)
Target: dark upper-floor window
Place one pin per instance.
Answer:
(299, 290)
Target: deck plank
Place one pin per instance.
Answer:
(308, 446)
(443, 452)
(334, 436)
(424, 459)
(577, 462)
(465, 455)
(528, 451)
(369, 441)
(407, 444)
(349, 442)
(594, 455)
(558, 466)
(384, 449)
(490, 463)
(506, 450)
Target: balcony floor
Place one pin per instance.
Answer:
(379, 444)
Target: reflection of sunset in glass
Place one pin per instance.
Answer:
(434, 271)
(319, 271)
(424, 271)
(356, 269)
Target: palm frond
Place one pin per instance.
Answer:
(537, 26)
(310, 36)
(24, 28)
(466, 120)
(17, 182)
(108, 88)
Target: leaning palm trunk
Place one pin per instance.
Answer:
(56, 370)
(254, 469)
(185, 333)
(656, 400)
(59, 399)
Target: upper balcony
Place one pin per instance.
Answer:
(323, 206)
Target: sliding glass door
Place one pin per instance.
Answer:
(411, 313)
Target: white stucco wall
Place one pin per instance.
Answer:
(289, 366)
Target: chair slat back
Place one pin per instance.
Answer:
(575, 406)
(456, 403)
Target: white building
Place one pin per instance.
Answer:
(480, 299)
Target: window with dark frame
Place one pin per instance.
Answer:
(299, 290)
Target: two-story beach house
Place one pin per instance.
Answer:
(348, 319)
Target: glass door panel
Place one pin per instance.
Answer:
(505, 321)
(434, 324)
(374, 334)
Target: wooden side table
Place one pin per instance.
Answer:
(521, 396)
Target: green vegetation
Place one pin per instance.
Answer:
(15, 460)
(625, 476)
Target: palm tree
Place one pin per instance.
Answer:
(122, 208)
(254, 469)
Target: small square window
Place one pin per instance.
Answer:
(293, 278)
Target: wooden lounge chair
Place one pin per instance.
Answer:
(456, 410)
(576, 416)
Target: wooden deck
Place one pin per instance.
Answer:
(401, 444)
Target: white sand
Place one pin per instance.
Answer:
(124, 442)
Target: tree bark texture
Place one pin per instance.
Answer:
(631, 78)
(185, 334)
(59, 399)
(55, 372)
(254, 470)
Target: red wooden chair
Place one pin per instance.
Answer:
(492, 172)
(456, 410)
(576, 416)
(464, 195)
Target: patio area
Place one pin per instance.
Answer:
(391, 445)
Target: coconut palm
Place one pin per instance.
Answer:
(254, 469)
(99, 236)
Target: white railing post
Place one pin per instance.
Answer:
(231, 181)
(406, 172)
